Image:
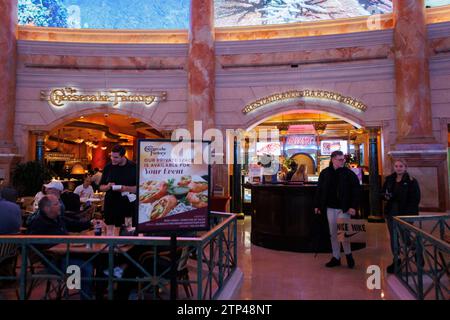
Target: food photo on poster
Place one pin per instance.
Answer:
(174, 188)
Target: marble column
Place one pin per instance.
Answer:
(201, 65)
(412, 76)
(8, 58)
(415, 141)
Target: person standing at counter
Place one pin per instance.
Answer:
(300, 174)
(118, 180)
(402, 193)
(338, 194)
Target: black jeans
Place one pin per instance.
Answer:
(390, 225)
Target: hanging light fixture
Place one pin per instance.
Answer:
(320, 126)
(77, 169)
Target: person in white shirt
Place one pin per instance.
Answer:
(85, 190)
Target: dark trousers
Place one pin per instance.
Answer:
(390, 225)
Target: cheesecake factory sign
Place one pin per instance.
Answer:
(60, 97)
(298, 94)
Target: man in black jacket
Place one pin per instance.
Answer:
(338, 194)
(50, 222)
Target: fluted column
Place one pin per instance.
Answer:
(8, 58)
(201, 65)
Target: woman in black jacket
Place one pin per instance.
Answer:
(402, 195)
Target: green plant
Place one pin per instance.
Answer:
(29, 177)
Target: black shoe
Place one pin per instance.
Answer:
(350, 261)
(391, 268)
(333, 263)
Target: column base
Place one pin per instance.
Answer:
(428, 165)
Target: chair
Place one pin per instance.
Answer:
(182, 268)
(53, 285)
(8, 259)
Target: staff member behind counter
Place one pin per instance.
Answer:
(119, 181)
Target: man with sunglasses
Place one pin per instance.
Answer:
(338, 194)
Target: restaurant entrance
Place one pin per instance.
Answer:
(305, 138)
(81, 144)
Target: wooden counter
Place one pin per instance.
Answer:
(283, 219)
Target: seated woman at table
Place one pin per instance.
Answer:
(85, 190)
(50, 222)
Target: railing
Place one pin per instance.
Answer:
(422, 256)
(215, 252)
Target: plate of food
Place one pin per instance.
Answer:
(150, 191)
(197, 199)
(197, 184)
(163, 206)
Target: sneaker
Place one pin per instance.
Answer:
(350, 261)
(333, 263)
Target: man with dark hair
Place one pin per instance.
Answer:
(338, 193)
(118, 180)
(10, 214)
(9, 194)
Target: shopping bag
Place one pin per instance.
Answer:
(352, 230)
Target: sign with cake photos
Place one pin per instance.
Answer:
(173, 186)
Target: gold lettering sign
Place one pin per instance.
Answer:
(298, 94)
(59, 97)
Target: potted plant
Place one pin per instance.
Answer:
(29, 177)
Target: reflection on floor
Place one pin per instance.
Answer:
(271, 274)
(276, 275)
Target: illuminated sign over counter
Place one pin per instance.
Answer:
(297, 94)
(293, 141)
(59, 97)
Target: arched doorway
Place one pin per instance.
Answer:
(77, 145)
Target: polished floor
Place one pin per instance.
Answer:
(276, 275)
(281, 275)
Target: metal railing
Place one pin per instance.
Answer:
(422, 255)
(215, 252)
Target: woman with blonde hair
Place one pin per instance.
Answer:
(402, 195)
(300, 175)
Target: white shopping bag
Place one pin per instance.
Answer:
(352, 230)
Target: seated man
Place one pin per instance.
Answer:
(10, 214)
(50, 222)
(85, 190)
(53, 188)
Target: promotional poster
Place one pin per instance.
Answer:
(174, 187)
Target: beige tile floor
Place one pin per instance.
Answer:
(271, 274)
